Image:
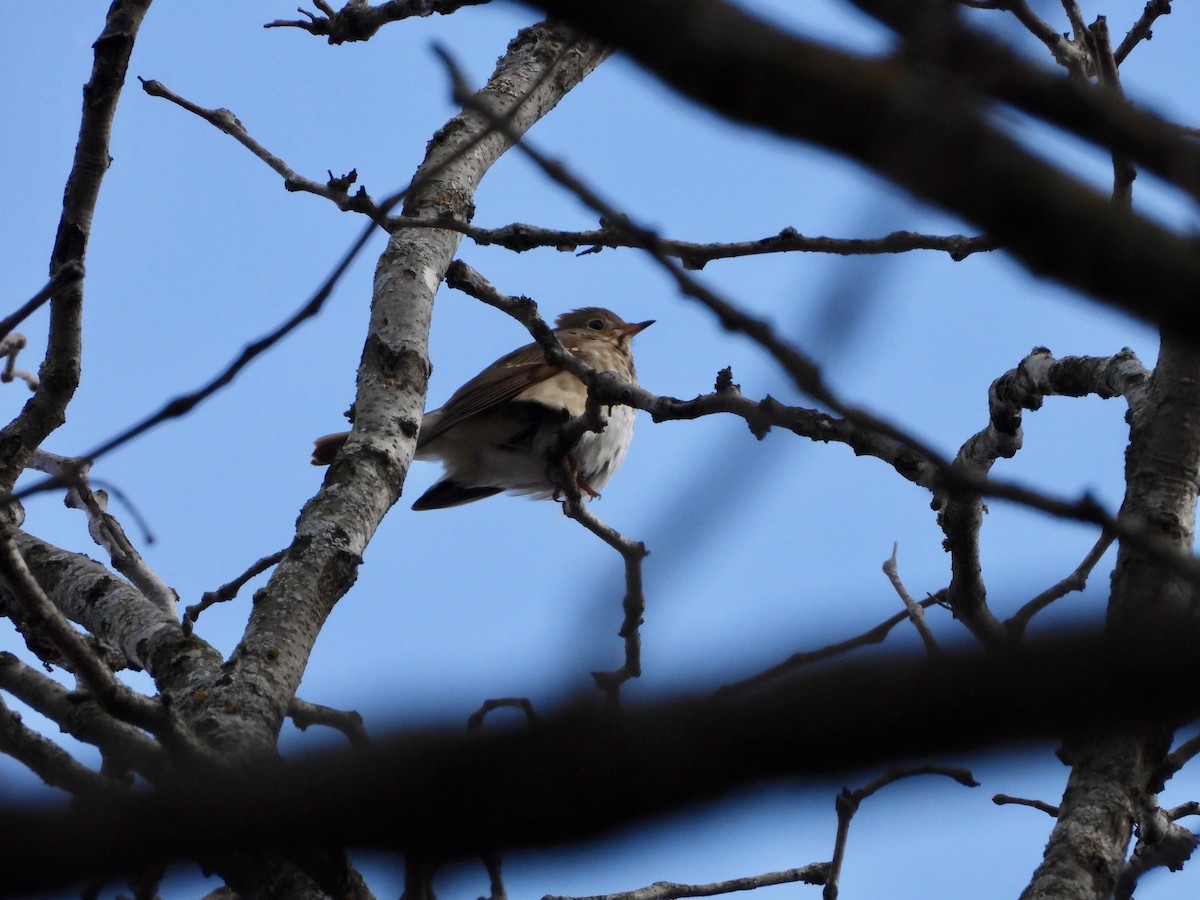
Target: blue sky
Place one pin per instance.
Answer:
(758, 549)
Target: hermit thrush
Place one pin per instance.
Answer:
(495, 432)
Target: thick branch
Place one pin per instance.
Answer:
(365, 480)
(519, 787)
(1114, 772)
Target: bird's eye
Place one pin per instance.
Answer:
(596, 324)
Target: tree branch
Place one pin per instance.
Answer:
(335, 189)
(848, 801)
(814, 873)
(909, 128)
(655, 758)
(124, 747)
(520, 237)
(46, 410)
(334, 527)
(358, 21)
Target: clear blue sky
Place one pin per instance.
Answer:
(758, 549)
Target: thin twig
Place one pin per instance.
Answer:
(10, 347)
(1076, 581)
(230, 590)
(520, 237)
(104, 528)
(334, 190)
(1141, 28)
(848, 801)
(634, 603)
(475, 720)
(814, 873)
(796, 661)
(1006, 800)
(916, 613)
(348, 722)
(1025, 387)
(68, 273)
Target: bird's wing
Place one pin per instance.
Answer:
(502, 381)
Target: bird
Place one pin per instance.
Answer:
(496, 432)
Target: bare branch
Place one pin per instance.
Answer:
(848, 801)
(1191, 808)
(67, 274)
(10, 346)
(46, 759)
(1061, 48)
(475, 722)
(907, 127)
(227, 592)
(334, 190)
(1076, 581)
(796, 661)
(46, 410)
(348, 722)
(1176, 760)
(124, 747)
(814, 873)
(1141, 28)
(114, 696)
(634, 603)
(916, 612)
(1005, 799)
(1161, 844)
(804, 728)
(120, 616)
(357, 21)
(104, 528)
(1025, 387)
(520, 237)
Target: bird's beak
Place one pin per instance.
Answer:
(630, 329)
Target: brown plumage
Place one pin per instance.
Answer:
(495, 431)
